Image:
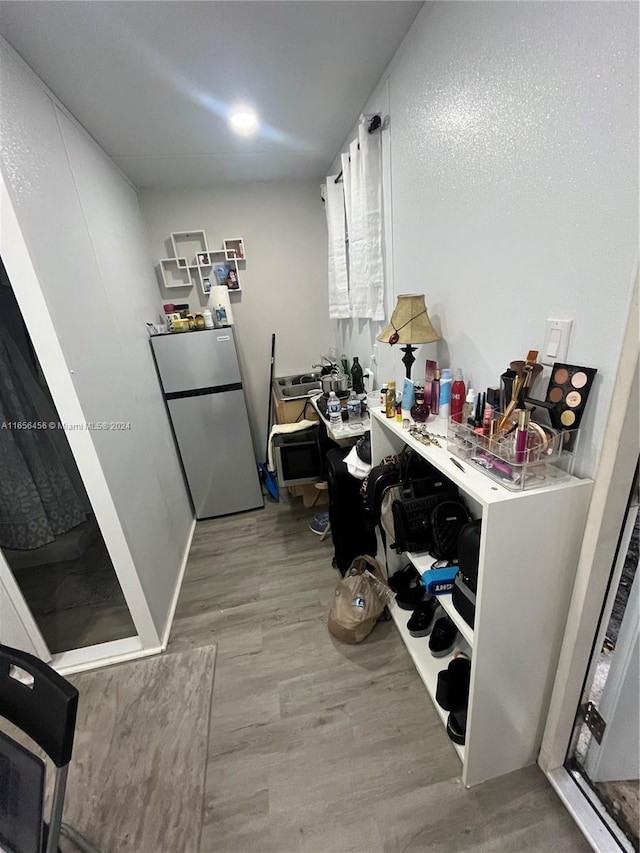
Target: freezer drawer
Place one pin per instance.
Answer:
(212, 431)
(192, 360)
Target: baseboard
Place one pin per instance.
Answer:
(178, 587)
(101, 654)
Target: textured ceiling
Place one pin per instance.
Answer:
(152, 81)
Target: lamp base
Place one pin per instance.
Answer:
(408, 358)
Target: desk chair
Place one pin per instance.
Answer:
(43, 705)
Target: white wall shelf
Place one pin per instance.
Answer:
(529, 549)
(194, 264)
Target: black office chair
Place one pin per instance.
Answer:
(44, 706)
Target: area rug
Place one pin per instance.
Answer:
(136, 780)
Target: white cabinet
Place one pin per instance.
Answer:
(529, 550)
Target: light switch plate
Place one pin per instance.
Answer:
(556, 341)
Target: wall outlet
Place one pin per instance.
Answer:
(556, 341)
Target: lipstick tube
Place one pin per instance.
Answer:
(522, 434)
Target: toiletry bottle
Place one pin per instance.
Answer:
(357, 382)
(469, 406)
(399, 411)
(457, 397)
(435, 393)
(522, 433)
(390, 404)
(208, 318)
(334, 409)
(353, 406)
(383, 396)
(445, 393)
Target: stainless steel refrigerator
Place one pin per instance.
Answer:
(202, 384)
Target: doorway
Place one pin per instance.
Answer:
(49, 535)
(604, 752)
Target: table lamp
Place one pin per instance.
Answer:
(409, 324)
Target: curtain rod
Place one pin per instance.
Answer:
(375, 123)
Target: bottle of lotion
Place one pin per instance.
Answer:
(445, 393)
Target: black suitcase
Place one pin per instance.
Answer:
(351, 536)
(465, 584)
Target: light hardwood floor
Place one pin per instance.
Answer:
(320, 747)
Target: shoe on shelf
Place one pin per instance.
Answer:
(443, 637)
(410, 595)
(421, 621)
(403, 577)
(457, 726)
(319, 523)
(452, 689)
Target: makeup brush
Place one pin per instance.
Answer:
(523, 381)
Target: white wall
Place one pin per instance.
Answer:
(284, 282)
(514, 162)
(81, 222)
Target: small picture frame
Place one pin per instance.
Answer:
(202, 259)
(206, 285)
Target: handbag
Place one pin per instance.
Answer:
(411, 509)
(447, 521)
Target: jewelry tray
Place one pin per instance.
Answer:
(546, 460)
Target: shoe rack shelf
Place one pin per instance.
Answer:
(529, 549)
(428, 667)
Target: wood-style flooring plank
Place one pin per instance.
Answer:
(320, 747)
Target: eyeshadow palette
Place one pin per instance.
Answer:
(568, 391)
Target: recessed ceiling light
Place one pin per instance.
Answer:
(243, 120)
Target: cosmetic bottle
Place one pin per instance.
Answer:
(390, 405)
(457, 397)
(383, 396)
(420, 409)
(522, 433)
(435, 393)
(445, 393)
(467, 409)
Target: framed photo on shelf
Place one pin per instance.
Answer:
(202, 259)
(227, 275)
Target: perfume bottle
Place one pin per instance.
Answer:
(420, 410)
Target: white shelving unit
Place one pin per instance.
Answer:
(193, 263)
(529, 549)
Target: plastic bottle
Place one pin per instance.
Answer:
(383, 396)
(208, 319)
(334, 409)
(435, 393)
(390, 403)
(458, 392)
(469, 406)
(357, 382)
(445, 393)
(354, 407)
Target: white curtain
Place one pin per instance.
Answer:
(361, 191)
(339, 306)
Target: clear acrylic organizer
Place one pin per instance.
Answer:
(546, 460)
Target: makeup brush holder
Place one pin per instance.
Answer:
(539, 459)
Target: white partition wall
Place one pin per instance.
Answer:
(73, 243)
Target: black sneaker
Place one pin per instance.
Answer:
(443, 637)
(421, 622)
(457, 726)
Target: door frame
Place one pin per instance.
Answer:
(612, 487)
(39, 323)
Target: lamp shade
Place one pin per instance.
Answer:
(410, 323)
